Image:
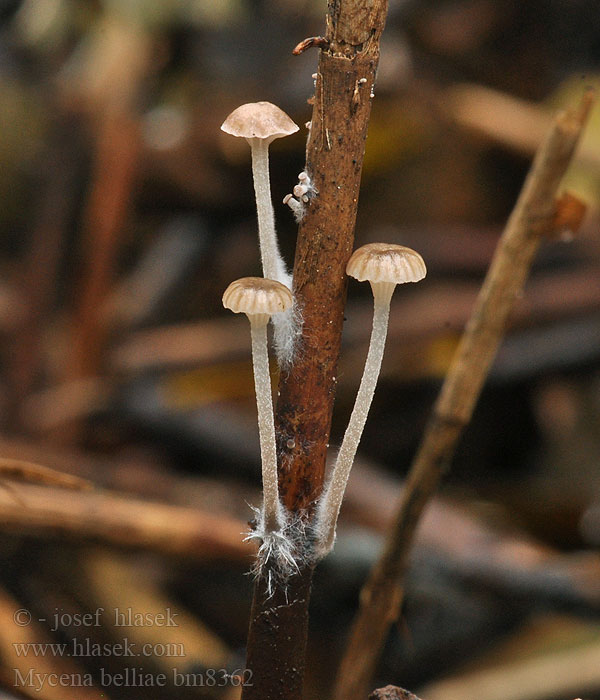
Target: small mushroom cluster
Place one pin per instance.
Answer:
(300, 196)
(269, 298)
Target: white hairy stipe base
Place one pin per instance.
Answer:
(281, 553)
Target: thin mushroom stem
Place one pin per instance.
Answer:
(284, 324)
(273, 266)
(266, 424)
(331, 501)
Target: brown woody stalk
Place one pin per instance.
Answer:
(107, 210)
(41, 265)
(121, 521)
(121, 63)
(335, 148)
(532, 218)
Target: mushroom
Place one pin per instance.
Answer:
(259, 298)
(384, 265)
(296, 206)
(260, 123)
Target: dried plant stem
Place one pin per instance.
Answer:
(106, 213)
(29, 472)
(556, 673)
(531, 220)
(119, 520)
(335, 148)
(41, 265)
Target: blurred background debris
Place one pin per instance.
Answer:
(124, 215)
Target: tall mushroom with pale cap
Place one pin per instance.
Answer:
(260, 123)
(384, 265)
(259, 299)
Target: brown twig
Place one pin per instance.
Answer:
(532, 219)
(106, 214)
(122, 522)
(335, 149)
(560, 673)
(41, 265)
(481, 555)
(514, 123)
(123, 60)
(319, 42)
(20, 470)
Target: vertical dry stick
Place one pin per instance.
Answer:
(114, 79)
(342, 105)
(531, 219)
(41, 264)
(107, 208)
(105, 215)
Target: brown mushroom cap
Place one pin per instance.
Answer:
(386, 262)
(259, 120)
(257, 295)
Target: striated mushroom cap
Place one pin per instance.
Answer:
(259, 120)
(386, 262)
(257, 296)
